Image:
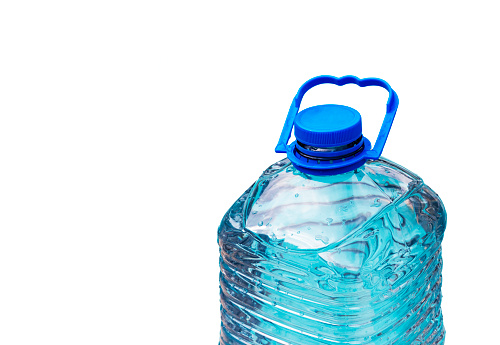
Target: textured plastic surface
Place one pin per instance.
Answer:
(328, 125)
(352, 258)
(328, 167)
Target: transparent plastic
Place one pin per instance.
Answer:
(353, 258)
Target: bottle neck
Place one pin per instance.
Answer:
(330, 153)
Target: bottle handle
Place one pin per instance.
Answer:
(392, 106)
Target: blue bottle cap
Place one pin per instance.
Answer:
(328, 125)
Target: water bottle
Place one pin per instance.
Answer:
(333, 244)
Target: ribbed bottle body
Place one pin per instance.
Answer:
(353, 258)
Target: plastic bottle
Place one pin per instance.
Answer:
(333, 245)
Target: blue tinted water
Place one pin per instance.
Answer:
(353, 258)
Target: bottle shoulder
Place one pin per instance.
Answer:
(296, 211)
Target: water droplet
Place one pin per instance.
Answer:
(254, 212)
(376, 203)
(323, 239)
(298, 232)
(261, 223)
(297, 195)
(329, 221)
(308, 228)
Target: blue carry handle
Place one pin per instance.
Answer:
(392, 106)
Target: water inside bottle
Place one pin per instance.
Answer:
(353, 258)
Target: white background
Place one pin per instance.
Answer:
(128, 128)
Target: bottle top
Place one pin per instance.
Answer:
(329, 137)
(328, 125)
